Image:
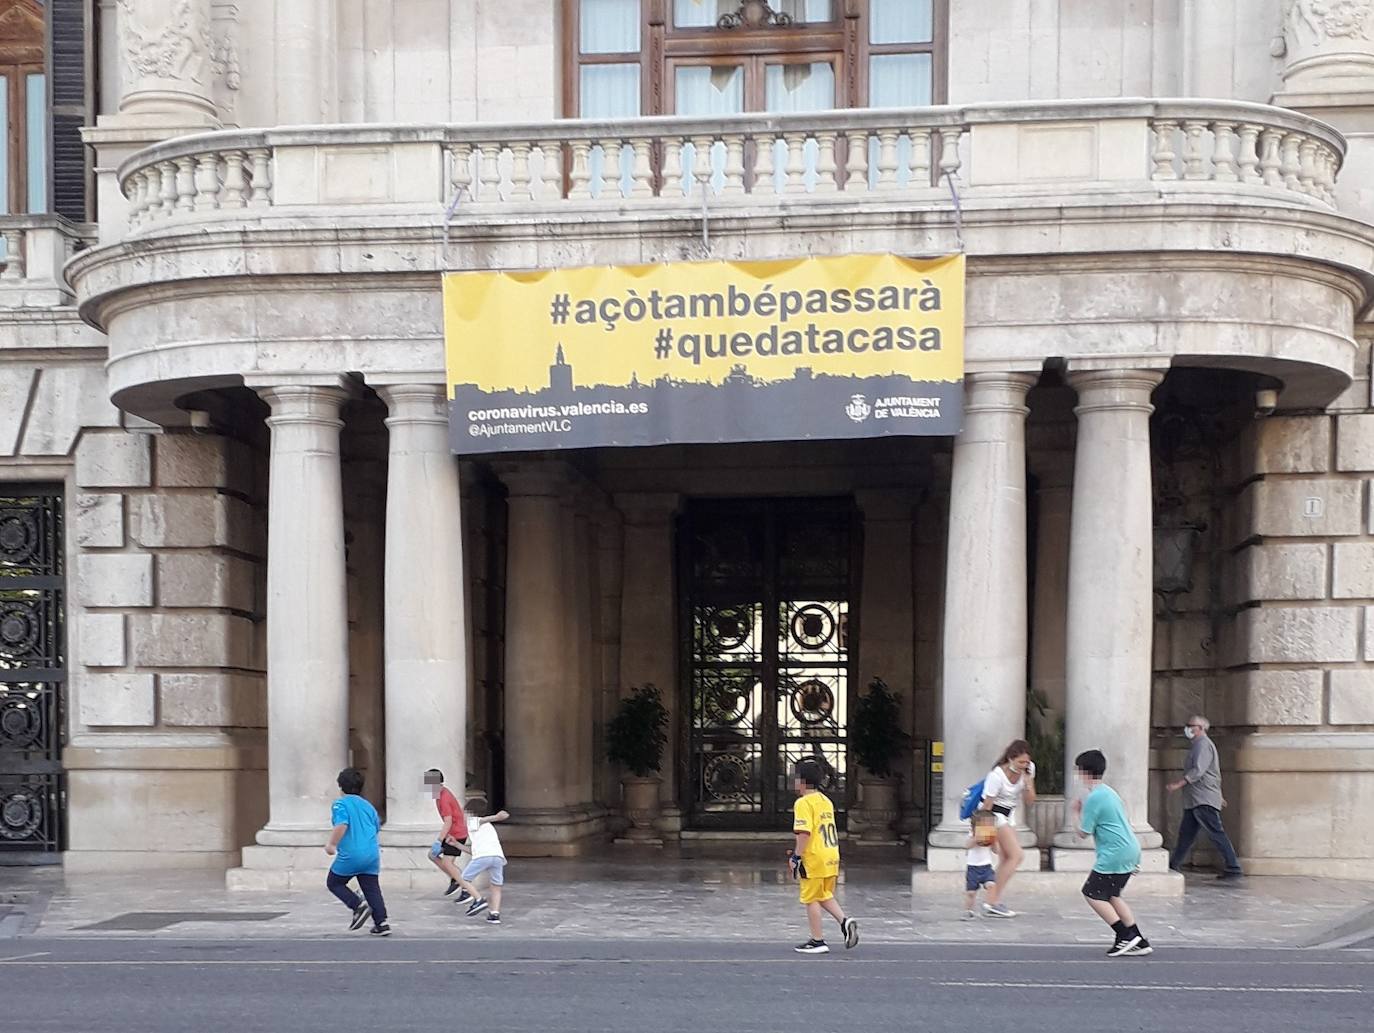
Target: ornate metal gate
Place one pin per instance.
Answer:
(32, 676)
(768, 620)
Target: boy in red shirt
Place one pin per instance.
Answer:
(453, 835)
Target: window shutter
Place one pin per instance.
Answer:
(70, 109)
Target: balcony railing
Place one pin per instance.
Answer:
(1167, 148)
(33, 249)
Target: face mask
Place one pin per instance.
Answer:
(1190, 732)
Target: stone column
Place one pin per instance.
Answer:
(1110, 613)
(984, 679)
(426, 619)
(165, 60)
(886, 625)
(306, 42)
(541, 667)
(647, 628)
(1049, 614)
(307, 614)
(610, 551)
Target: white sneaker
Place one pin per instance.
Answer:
(998, 911)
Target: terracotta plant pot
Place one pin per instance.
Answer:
(878, 802)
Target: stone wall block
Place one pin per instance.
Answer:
(1355, 442)
(1311, 635)
(1279, 698)
(114, 579)
(1276, 571)
(192, 640)
(114, 460)
(1352, 696)
(119, 700)
(196, 521)
(1306, 507)
(202, 461)
(99, 521)
(197, 579)
(102, 640)
(1287, 444)
(213, 700)
(1352, 573)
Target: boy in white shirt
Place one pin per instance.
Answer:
(487, 856)
(979, 849)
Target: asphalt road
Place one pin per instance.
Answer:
(356, 983)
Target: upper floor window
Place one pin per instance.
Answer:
(720, 57)
(23, 108)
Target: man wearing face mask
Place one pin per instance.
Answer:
(1202, 800)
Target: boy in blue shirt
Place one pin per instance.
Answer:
(1102, 815)
(353, 845)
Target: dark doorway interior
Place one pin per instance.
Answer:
(768, 616)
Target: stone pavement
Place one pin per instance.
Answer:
(626, 895)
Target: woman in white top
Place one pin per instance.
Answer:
(1011, 784)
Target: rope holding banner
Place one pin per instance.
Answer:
(958, 212)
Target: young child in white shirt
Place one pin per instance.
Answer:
(487, 856)
(981, 846)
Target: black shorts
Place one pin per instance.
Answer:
(449, 850)
(1105, 885)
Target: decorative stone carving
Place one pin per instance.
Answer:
(166, 51)
(1329, 45)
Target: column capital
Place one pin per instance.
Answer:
(414, 403)
(895, 505)
(533, 479)
(998, 392)
(1119, 390)
(641, 508)
(304, 404)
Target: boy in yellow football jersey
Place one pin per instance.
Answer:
(815, 859)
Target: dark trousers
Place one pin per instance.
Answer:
(372, 890)
(1209, 818)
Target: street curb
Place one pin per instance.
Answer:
(1354, 927)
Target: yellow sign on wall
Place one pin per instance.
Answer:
(856, 346)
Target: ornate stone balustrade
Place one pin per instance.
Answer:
(33, 249)
(1164, 148)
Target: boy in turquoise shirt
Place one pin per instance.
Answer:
(1103, 816)
(353, 845)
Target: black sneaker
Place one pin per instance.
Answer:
(477, 907)
(812, 947)
(493, 918)
(464, 898)
(1122, 947)
(1140, 949)
(850, 928)
(361, 914)
(381, 930)
(452, 885)
(1231, 877)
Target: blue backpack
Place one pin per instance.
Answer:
(973, 798)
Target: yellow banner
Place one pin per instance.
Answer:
(849, 346)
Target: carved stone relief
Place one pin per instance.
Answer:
(1328, 45)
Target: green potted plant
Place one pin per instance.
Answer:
(635, 738)
(876, 736)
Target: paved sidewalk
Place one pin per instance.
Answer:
(624, 895)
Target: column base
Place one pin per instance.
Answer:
(293, 836)
(276, 868)
(409, 835)
(953, 837)
(1069, 839)
(559, 832)
(954, 859)
(1063, 859)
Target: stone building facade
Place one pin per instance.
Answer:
(249, 558)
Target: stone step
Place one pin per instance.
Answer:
(944, 885)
